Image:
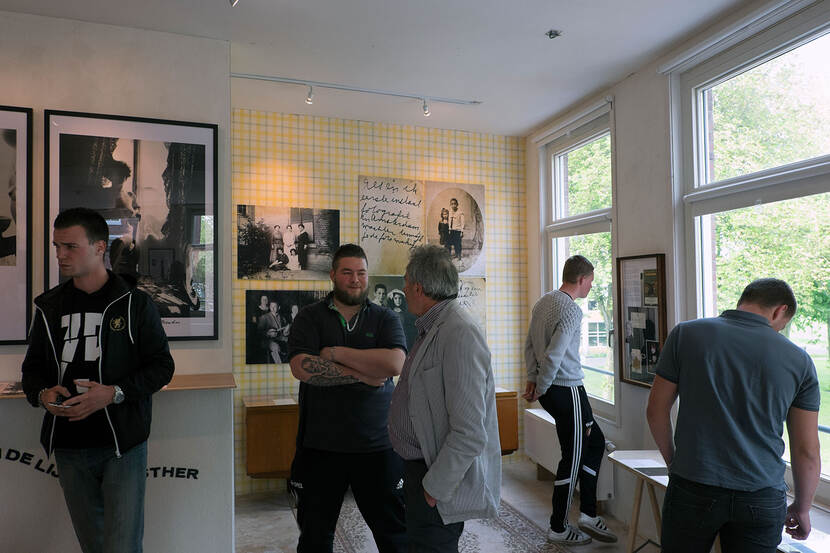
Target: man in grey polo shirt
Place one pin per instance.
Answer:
(738, 380)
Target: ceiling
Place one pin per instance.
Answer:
(494, 51)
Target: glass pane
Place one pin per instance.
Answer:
(774, 114)
(597, 309)
(789, 240)
(584, 176)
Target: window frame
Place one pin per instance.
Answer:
(793, 26)
(592, 124)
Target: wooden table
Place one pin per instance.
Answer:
(650, 469)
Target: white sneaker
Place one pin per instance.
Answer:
(569, 535)
(596, 527)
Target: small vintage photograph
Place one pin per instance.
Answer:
(387, 291)
(652, 355)
(640, 329)
(649, 277)
(286, 243)
(268, 318)
(455, 221)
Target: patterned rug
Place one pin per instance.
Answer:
(511, 532)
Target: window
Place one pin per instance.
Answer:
(771, 115)
(579, 206)
(748, 243)
(754, 177)
(597, 335)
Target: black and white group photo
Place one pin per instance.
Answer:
(455, 221)
(286, 243)
(268, 318)
(157, 197)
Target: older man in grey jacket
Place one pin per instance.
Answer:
(442, 418)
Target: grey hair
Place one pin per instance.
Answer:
(432, 268)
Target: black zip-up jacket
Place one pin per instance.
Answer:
(134, 355)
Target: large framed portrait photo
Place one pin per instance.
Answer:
(155, 182)
(15, 223)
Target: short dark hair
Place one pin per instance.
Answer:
(380, 285)
(769, 292)
(348, 250)
(94, 225)
(576, 266)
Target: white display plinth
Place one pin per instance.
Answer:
(190, 500)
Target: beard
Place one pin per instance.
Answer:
(347, 298)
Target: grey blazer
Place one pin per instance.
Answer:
(452, 404)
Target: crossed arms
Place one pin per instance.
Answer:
(336, 366)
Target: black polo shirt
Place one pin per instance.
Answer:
(350, 418)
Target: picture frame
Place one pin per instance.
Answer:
(15, 223)
(641, 293)
(155, 181)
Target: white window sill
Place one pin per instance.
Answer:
(819, 540)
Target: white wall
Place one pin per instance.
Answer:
(48, 63)
(189, 498)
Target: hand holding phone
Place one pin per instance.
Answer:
(59, 402)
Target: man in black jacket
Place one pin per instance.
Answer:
(97, 352)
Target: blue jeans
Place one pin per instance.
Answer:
(693, 514)
(105, 496)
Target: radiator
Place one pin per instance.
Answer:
(542, 446)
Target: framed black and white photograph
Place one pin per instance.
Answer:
(15, 225)
(285, 243)
(455, 221)
(387, 291)
(268, 318)
(155, 182)
(641, 291)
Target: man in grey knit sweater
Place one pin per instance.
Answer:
(554, 377)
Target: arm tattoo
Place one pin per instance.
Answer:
(325, 373)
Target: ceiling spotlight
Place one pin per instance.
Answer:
(310, 98)
(426, 108)
(553, 33)
(233, 2)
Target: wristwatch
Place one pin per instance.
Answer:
(118, 396)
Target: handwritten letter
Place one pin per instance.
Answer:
(391, 220)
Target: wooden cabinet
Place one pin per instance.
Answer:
(507, 409)
(270, 436)
(271, 432)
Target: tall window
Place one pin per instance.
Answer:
(756, 180)
(579, 222)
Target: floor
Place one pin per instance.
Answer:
(264, 523)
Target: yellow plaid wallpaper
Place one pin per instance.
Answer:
(305, 161)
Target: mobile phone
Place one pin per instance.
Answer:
(59, 402)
